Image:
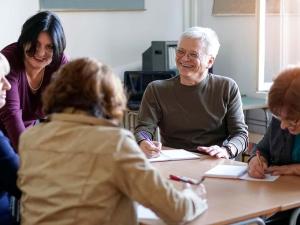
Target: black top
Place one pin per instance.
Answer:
(9, 164)
(276, 145)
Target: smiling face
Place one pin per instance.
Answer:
(191, 62)
(4, 84)
(43, 53)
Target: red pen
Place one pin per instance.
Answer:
(186, 179)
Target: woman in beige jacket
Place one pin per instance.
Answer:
(80, 167)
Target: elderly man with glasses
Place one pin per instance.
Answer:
(196, 110)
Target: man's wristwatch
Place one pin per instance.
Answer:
(229, 151)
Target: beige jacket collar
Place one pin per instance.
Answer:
(79, 116)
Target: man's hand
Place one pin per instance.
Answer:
(214, 150)
(151, 148)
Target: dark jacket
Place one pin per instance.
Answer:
(9, 164)
(276, 145)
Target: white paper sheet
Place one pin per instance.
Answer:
(235, 172)
(268, 177)
(176, 154)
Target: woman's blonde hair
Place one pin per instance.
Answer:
(86, 84)
(4, 65)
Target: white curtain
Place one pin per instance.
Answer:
(190, 13)
(282, 35)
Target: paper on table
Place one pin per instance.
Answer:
(144, 213)
(236, 172)
(174, 154)
(268, 177)
(226, 171)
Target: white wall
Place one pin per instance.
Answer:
(13, 14)
(119, 38)
(116, 38)
(238, 53)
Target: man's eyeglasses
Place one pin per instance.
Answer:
(191, 55)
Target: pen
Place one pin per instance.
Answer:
(186, 179)
(259, 159)
(145, 136)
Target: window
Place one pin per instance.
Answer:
(279, 33)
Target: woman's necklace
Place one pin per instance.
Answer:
(35, 89)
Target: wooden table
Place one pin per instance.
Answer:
(231, 201)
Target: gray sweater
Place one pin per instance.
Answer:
(209, 113)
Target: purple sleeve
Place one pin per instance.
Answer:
(64, 60)
(143, 135)
(11, 114)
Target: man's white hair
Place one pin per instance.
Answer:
(207, 36)
(4, 65)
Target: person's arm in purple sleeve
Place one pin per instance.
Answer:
(11, 114)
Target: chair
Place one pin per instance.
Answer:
(257, 220)
(15, 210)
(253, 140)
(294, 217)
(135, 83)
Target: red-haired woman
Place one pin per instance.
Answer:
(278, 152)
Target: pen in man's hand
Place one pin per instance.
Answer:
(186, 179)
(146, 138)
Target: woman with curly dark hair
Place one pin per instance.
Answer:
(80, 167)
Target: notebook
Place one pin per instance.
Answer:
(174, 154)
(235, 172)
(226, 171)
